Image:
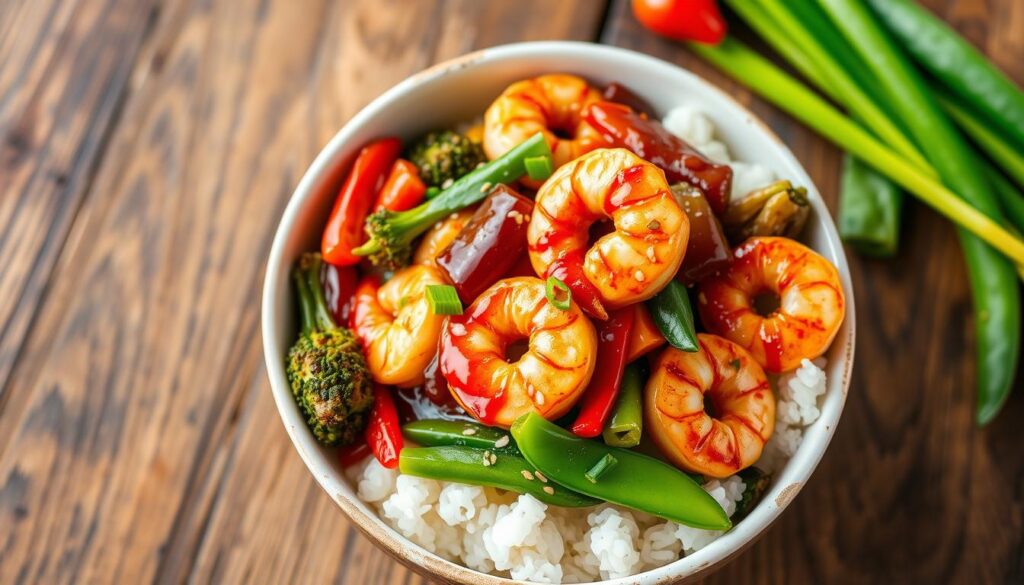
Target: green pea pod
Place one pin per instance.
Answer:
(955, 62)
(635, 481)
(508, 472)
(625, 427)
(446, 433)
(869, 210)
(993, 280)
(673, 315)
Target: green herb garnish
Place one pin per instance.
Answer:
(558, 293)
(443, 299)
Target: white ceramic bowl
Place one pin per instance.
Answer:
(459, 90)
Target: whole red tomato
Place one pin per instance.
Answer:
(683, 20)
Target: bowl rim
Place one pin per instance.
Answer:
(689, 567)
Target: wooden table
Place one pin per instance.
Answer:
(147, 149)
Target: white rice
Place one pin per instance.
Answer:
(525, 539)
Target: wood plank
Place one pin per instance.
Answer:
(909, 490)
(140, 434)
(64, 67)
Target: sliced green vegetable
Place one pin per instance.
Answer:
(538, 167)
(869, 209)
(625, 427)
(637, 481)
(558, 293)
(489, 468)
(447, 433)
(603, 465)
(1001, 151)
(955, 62)
(432, 192)
(1011, 199)
(673, 315)
(443, 299)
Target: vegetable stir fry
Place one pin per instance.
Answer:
(584, 315)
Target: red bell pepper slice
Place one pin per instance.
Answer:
(345, 230)
(613, 338)
(383, 430)
(339, 284)
(403, 188)
(682, 20)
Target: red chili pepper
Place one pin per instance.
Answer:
(613, 338)
(569, 269)
(383, 430)
(344, 230)
(349, 455)
(649, 140)
(682, 20)
(403, 189)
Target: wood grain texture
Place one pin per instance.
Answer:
(147, 149)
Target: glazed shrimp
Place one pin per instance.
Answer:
(546, 104)
(396, 326)
(810, 296)
(443, 233)
(493, 385)
(729, 437)
(628, 265)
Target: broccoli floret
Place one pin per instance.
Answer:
(445, 156)
(326, 367)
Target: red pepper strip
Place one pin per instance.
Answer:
(403, 189)
(339, 284)
(569, 269)
(649, 140)
(383, 430)
(349, 455)
(598, 401)
(344, 230)
(682, 20)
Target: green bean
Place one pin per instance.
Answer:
(635, 481)
(673, 315)
(953, 61)
(625, 427)
(869, 209)
(993, 279)
(488, 468)
(444, 433)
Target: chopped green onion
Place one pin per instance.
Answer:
(432, 192)
(538, 167)
(558, 293)
(443, 299)
(601, 467)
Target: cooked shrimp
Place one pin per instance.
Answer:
(550, 104)
(716, 441)
(810, 299)
(443, 233)
(628, 265)
(477, 354)
(396, 326)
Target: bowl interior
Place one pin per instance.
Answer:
(458, 91)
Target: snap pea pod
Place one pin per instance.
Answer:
(953, 61)
(445, 433)
(635, 481)
(869, 209)
(626, 425)
(508, 472)
(673, 315)
(996, 293)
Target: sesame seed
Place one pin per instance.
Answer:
(469, 432)
(485, 187)
(447, 183)
(494, 458)
(651, 255)
(539, 398)
(540, 476)
(487, 459)
(639, 276)
(527, 475)
(654, 224)
(549, 490)
(501, 442)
